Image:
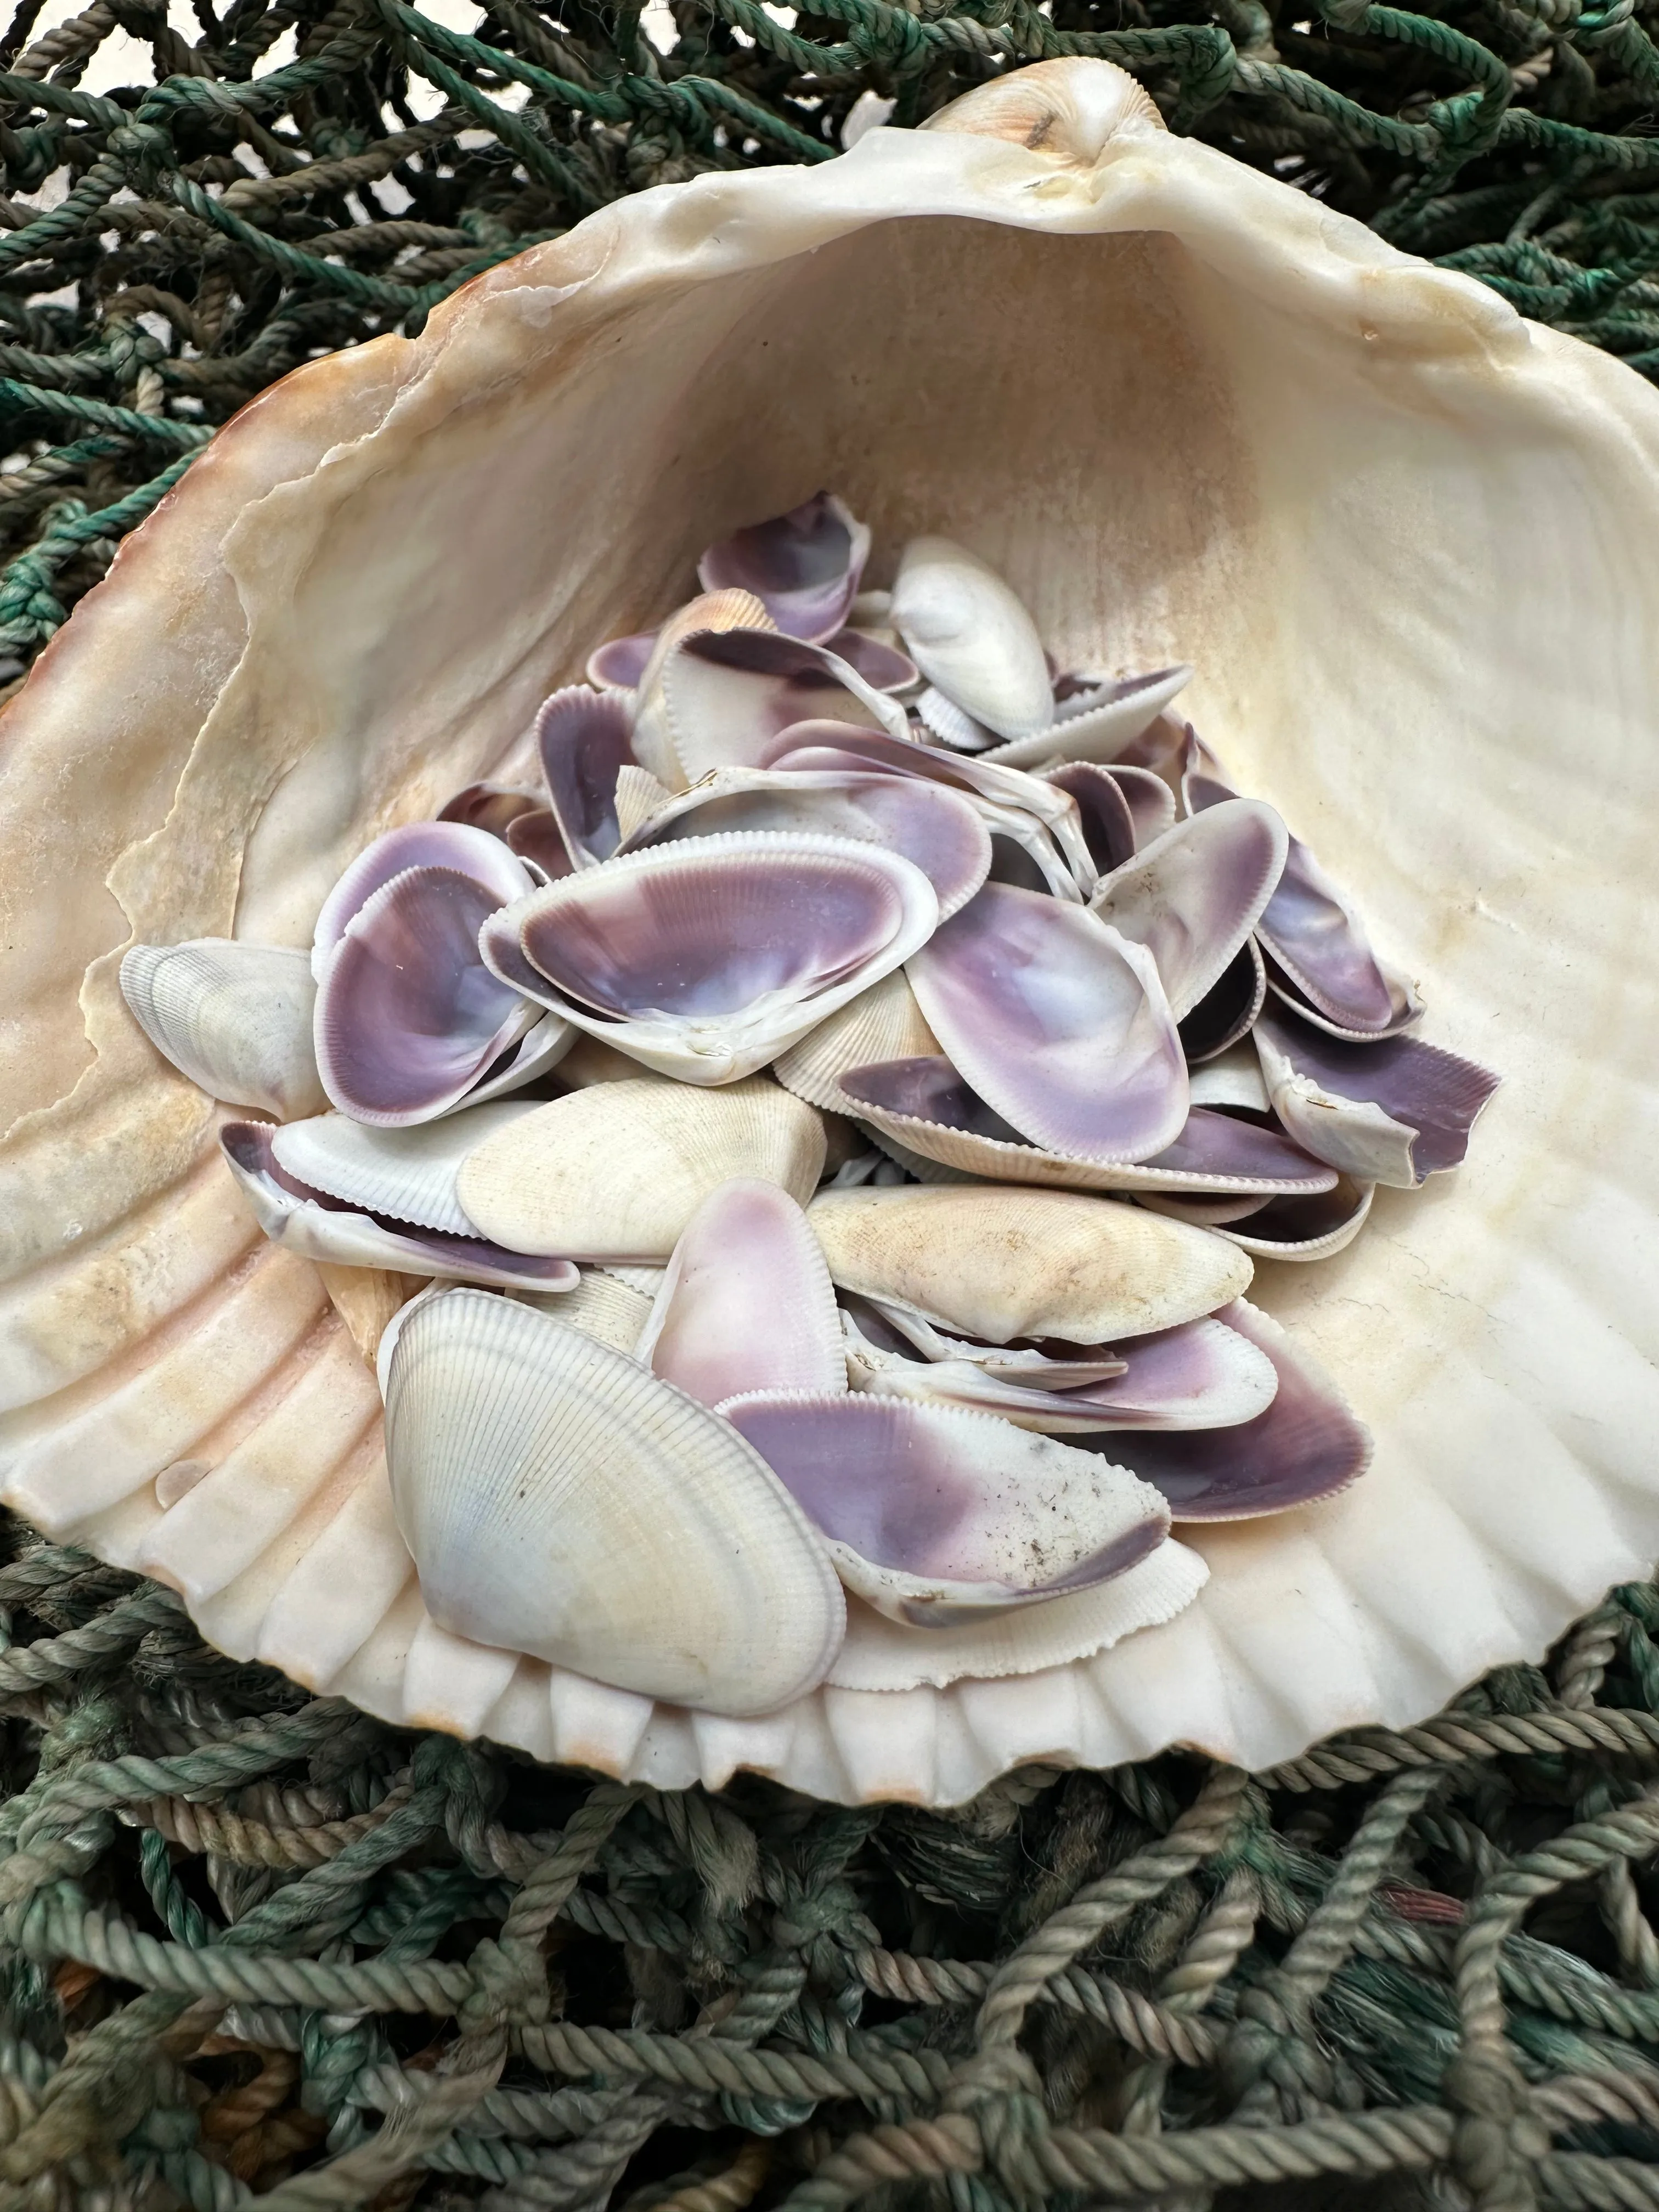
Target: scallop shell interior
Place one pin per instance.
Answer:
(1133, 376)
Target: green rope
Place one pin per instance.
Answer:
(1301, 1984)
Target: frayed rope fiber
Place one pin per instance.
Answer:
(254, 1944)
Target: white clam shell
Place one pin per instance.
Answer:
(615, 1172)
(407, 1173)
(971, 635)
(235, 1018)
(883, 1023)
(559, 1500)
(996, 1261)
(220, 728)
(601, 1305)
(1096, 726)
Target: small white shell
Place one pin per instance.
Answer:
(560, 1500)
(970, 635)
(886, 1655)
(995, 1262)
(653, 747)
(883, 1023)
(1096, 726)
(615, 1171)
(1233, 1077)
(236, 1019)
(640, 797)
(409, 1174)
(602, 1306)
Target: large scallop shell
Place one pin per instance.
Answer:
(1248, 394)
(560, 1500)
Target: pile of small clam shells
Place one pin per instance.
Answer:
(835, 1117)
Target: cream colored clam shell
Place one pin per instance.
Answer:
(615, 1172)
(246, 702)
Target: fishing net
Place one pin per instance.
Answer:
(251, 1942)
(170, 248)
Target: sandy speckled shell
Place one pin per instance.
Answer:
(999, 1262)
(246, 702)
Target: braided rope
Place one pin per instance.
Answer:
(743, 1932)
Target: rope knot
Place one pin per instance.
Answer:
(1001, 2092)
(1269, 2057)
(1497, 2142)
(509, 1986)
(143, 144)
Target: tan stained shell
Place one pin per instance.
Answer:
(228, 720)
(615, 1172)
(999, 1261)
